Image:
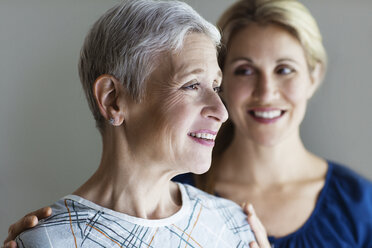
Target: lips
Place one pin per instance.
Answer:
(266, 115)
(204, 137)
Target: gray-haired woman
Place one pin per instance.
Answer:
(150, 73)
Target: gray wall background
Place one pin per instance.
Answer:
(48, 142)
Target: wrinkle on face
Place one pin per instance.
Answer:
(169, 110)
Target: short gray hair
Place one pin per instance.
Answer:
(126, 41)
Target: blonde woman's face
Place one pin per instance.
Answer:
(266, 84)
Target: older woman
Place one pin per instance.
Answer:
(150, 73)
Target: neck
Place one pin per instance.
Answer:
(247, 162)
(130, 185)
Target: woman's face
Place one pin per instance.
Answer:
(267, 84)
(181, 114)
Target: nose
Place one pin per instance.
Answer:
(265, 88)
(214, 108)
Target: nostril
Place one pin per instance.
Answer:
(221, 114)
(215, 108)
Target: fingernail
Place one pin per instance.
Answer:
(250, 208)
(243, 204)
(253, 244)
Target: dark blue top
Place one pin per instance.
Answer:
(342, 216)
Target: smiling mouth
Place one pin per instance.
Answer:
(203, 136)
(267, 116)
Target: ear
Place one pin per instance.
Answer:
(109, 95)
(316, 77)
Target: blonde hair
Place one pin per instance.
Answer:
(292, 16)
(289, 14)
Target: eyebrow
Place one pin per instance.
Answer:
(199, 71)
(277, 61)
(287, 59)
(242, 58)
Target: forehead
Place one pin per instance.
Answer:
(198, 55)
(197, 59)
(265, 41)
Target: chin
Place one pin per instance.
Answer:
(200, 167)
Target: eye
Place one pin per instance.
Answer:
(244, 71)
(285, 70)
(193, 86)
(217, 89)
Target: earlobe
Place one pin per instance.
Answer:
(107, 91)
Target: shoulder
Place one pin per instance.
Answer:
(221, 212)
(58, 230)
(348, 202)
(208, 200)
(349, 183)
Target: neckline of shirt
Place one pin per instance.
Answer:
(318, 205)
(136, 220)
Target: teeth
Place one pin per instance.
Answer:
(206, 136)
(268, 114)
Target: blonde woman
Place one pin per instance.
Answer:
(273, 62)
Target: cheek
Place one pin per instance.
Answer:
(236, 93)
(297, 95)
(174, 117)
(298, 92)
(171, 102)
(174, 125)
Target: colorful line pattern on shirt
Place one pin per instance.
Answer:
(207, 222)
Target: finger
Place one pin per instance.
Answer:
(257, 227)
(21, 225)
(253, 216)
(253, 244)
(10, 244)
(248, 209)
(245, 208)
(28, 221)
(41, 213)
